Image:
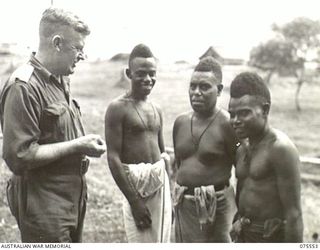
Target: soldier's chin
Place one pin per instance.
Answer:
(70, 70)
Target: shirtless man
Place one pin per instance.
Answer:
(133, 128)
(205, 145)
(267, 168)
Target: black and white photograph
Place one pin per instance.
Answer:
(150, 121)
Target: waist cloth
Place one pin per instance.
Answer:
(203, 214)
(152, 183)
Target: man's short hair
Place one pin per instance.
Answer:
(53, 18)
(250, 83)
(140, 50)
(209, 64)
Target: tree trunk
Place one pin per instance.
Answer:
(268, 77)
(299, 83)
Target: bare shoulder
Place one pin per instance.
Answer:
(282, 141)
(224, 114)
(224, 117)
(117, 106)
(183, 117)
(282, 149)
(118, 103)
(157, 107)
(224, 121)
(179, 121)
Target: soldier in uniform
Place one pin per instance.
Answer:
(44, 143)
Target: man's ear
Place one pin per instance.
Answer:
(128, 73)
(57, 41)
(220, 88)
(266, 108)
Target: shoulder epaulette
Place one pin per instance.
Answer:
(22, 73)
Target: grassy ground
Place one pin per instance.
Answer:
(93, 85)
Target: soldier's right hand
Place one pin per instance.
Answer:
(141, 214)
(91, 145)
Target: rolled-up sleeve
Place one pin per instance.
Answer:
(20, 127)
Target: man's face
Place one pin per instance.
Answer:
(72, 52)
(142, 72)
(203, 91)
(247, 116)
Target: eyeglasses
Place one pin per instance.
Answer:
(78, 51)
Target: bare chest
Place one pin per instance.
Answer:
(254, 165)
(206, 145)
(142, 118)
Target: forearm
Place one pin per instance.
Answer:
(45, 154)
(294, 228)
(120, 176)
(161, 143)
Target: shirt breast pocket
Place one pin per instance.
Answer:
(55, 123)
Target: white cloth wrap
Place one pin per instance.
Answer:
(152, 183)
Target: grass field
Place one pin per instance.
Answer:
(94, 86)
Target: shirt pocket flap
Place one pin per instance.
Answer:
(55, 109)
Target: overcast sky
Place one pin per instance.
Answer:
(174, 29)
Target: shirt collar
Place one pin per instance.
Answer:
(43, 71)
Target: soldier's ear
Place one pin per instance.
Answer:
(220, 88)
(57, 41)
(128, 73)
(266, 108)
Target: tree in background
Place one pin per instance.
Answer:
(274, 56)
(295, 43)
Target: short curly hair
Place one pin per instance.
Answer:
(250, 83)
(53, 18)
(209, 64)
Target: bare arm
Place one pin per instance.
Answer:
(240, 151)
(90, 145)
(160, 136)
(114, 136)
(174, 137)
(231, 140)
(285, 160)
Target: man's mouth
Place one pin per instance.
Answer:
(237, 128)
(239, 131)
(197, 102)
(149, 86)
